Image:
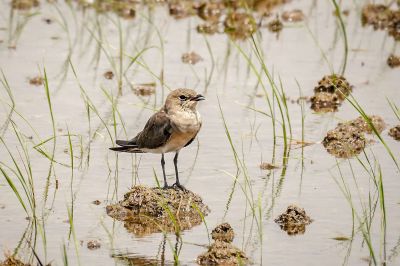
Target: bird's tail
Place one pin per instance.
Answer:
(126, 146)
(120, 142)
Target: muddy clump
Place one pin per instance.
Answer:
(108, 75)
(222, 252)
(36, 81)
(144, 89)
(268, 166)
(295, 15)
(381, 17)
(211, 11)
(93, 244)
(151, 210)
(348, 139)
(24, 4)
(275, 25)
(12, 261)
(293, 220)
(223, 232)
(344, 141)
(329, 94)
(123, 8)
(393, 61)
(191, 58)
(208, 28)
(394, 132)
(365, 127)
(181, 9)
(240, 26)
(265, 6)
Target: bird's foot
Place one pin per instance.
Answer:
(166, 186)
(178, 185)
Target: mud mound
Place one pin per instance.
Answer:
(329, 94)
(395, 132)
(381, 17)
(149, 210)
(275, 25)
(344, 141)
(223, 232)
(240, 26)
(293, 220)
(12, 261)
(363, 125)
(348, 139)
(191, 58)
(295, 15)
(393, 61)
(24, 4)
(144, 89)
(222, 252)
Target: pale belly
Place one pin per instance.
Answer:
(177, 141)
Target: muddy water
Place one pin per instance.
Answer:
(207, 166)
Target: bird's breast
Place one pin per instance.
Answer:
(186, 122)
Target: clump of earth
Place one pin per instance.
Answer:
(223, 232)
(24, 4)
(12, 261)
(275, 25)
(108, 74)
(147, 210)
(191, 58)
(144, 89)
(222, 252)
(123, 8)
(93, 244)
(295, 15)
(240, 25)
(394, 132)
(294, 220)
(268, 166)
(348, 139)
(36, 81)
(329, 94)
(383, 18)
(393, 61)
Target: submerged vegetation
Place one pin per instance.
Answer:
(77, 75)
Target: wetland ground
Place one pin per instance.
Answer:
(77, 75)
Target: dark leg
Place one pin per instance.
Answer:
(177, 183)
(163, 170)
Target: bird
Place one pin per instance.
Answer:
(170, 129)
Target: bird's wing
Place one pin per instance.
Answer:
(131, 142)
(156, 132)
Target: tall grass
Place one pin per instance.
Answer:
(6, 86)
(338, 14)
(369, 203)
(47, 91)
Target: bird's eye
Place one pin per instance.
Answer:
(182, 97)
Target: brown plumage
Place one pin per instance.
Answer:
(169, 130)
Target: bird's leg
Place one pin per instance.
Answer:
(163, 171)
(177, 183)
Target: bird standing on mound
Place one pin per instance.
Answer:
(169, 130)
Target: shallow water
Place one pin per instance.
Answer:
(207, 166)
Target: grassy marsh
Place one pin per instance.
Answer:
(57, 174)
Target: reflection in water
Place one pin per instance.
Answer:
(159, 259)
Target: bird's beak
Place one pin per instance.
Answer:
(198, 97)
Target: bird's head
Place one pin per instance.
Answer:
(183, 99)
